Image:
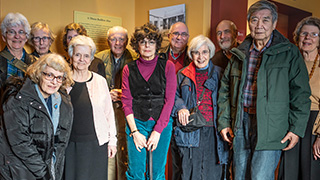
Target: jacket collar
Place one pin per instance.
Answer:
(243, 49)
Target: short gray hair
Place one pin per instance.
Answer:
(114, 28)
(199, 41)
(82, 40)
(261, 5)
(13, 20)
(179, 22)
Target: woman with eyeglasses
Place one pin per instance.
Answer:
(93, 136)
(41, 38)
(37, 121)
(148, 90)
(14, 60)
(198, 85)
(303, 161)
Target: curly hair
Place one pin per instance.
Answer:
(72, 26)
(53, 60)
(314, 21)
(148, 31)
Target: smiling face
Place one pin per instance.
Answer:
(261, 26)
(81, 58)
(42, 41)
(201, 57)
(306, 42)
(48, 87)
(117, 41)
(225, 35)
(178, 37)
(15, 38)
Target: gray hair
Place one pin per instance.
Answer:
(314, 21)
(261, 5)
(199, 41)
(179, 22)
(14, 20)
(40, 26)
(115, 28)
(82, 40)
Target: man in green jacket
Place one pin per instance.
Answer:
(114, 60)
(264, 96)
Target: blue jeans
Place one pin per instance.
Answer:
(137, 161)
(249, 163)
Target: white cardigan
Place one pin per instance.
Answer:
(103, 115)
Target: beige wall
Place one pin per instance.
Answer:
(59, 13)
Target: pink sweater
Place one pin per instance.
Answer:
(146, 69)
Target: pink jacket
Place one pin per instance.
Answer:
(103, 115)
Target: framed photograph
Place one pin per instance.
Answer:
(163, 18)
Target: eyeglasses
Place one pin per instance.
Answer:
(12, 33)
(38, 39)
(143, 42)
(183, 34)
(51, 77)
(120, 40)
(203, 53)
(312, 34)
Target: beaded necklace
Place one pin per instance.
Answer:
(314, 67)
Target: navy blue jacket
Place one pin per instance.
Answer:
(186, 97)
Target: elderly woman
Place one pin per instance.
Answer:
(14, 59)
(41, 38)
(148, 90)
(302, 162)
(36, 122)
(93, 135)
(198, 85)
(74, 29)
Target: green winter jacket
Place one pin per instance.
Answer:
(283, 92)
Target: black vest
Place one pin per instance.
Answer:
(148, 96)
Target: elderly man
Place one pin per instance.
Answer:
(227, 34)
(264, 96)
(114, 60)
(176, 51)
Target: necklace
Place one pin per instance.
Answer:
(313, 67)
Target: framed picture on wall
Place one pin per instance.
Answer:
(163, 18)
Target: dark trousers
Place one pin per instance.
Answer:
(201, 163)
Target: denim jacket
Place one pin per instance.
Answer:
(186, 98)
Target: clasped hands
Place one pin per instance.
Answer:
(141, 142)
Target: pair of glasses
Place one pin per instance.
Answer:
(203, 53)
(183, 34)
(38, 39)
(143, 42)
(51, 77)
(12, 33)
(312, 34)
(120, 40)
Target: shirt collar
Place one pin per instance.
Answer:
(253, 46)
